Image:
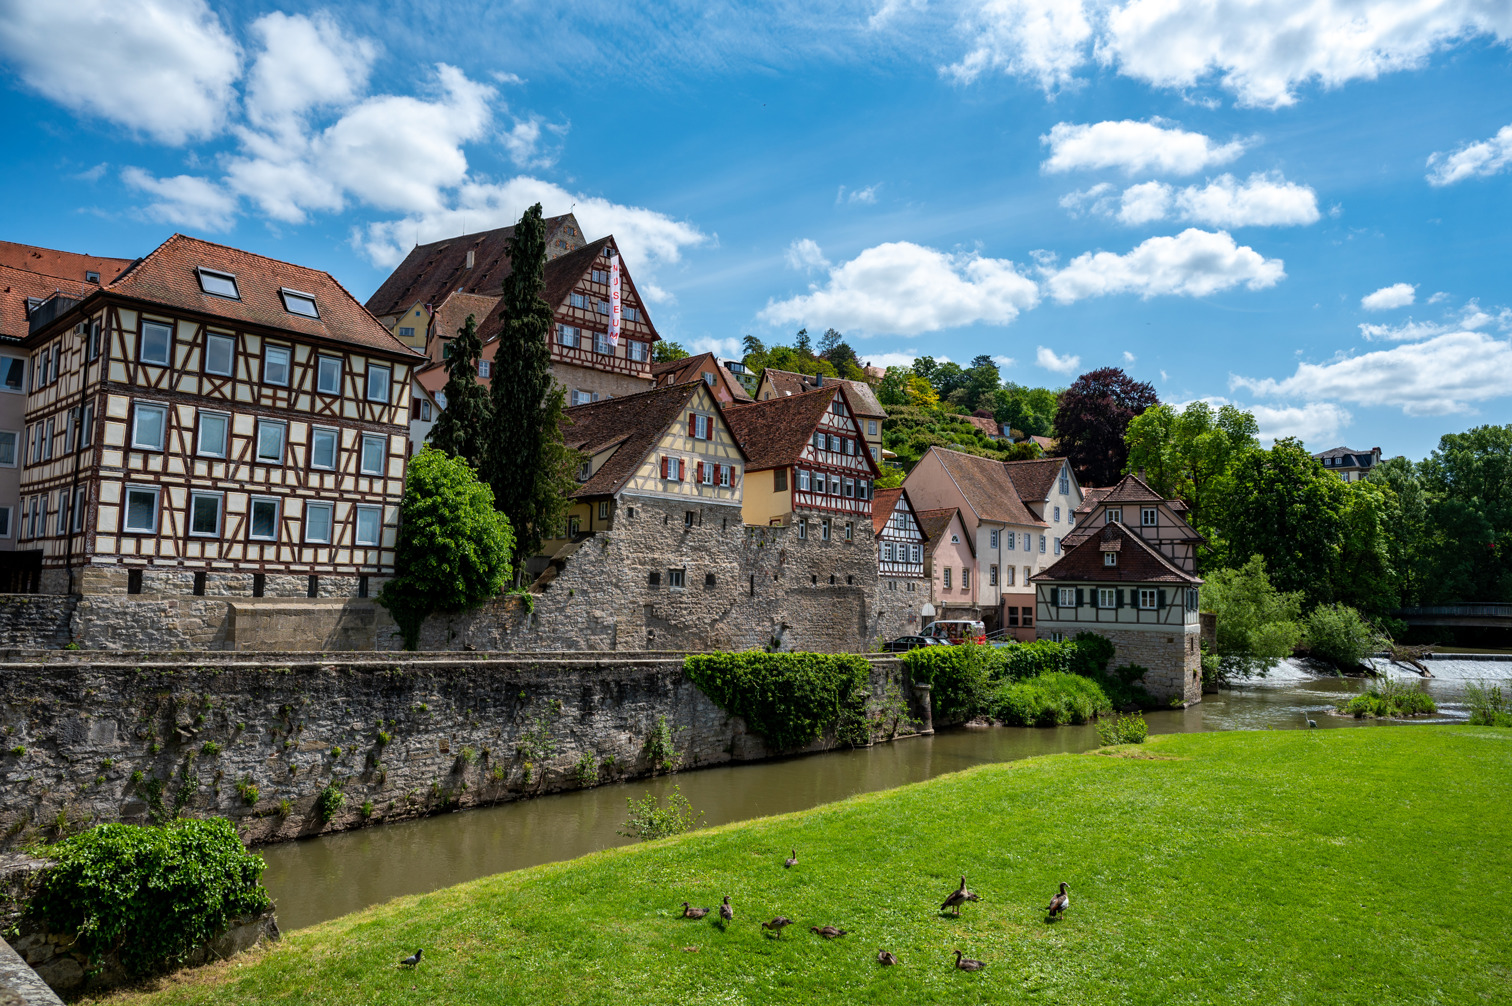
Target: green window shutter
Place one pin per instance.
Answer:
(1160, 601)
(1079, 601)
(1118, 602)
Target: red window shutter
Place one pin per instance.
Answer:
(664, 467)
(699, 477)
(692, 425)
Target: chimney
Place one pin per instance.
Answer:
(1141, 475)
(471, 257)
(818, 380)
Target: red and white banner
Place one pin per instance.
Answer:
(614, 300)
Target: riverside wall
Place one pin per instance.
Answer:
(93, 737)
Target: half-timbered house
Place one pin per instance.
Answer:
(703, 367)
(870, 415)
(213, 421)
(1157, 520)
(902, 589)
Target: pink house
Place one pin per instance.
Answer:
(949, 566)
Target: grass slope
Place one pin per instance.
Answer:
(1330, 866)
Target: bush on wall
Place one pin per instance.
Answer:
(791, 699)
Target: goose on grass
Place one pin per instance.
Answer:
(959, 897)
(967, 964)
(1060, 901)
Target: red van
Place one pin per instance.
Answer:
(957, 631)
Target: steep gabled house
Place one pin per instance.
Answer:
(1117, 584)
(1157, 520)
(1049, 490)
(901, 542)
(703, 367)
(949, 561)
(868, 410)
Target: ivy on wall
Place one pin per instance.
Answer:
(791, 699)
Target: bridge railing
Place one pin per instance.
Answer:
(1473, 609)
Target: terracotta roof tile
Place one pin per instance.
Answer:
(691, 368)
(863, 399)
(1035, 479)
(988, 489)
(934, 523)
(560, 276)
(883, 503)
(773, 433)
(62, 264)
(17, 285)
(987, 426)
(1138, 561)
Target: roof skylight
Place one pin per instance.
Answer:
(299, 303)
(221, 284)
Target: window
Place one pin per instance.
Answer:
(156, 342)
(212, 433)
(317, 524)
(62, 527)
(915, 553)
(47, 442)
(1112, 516)
(803, 527)
(700, 426)
(569, 335)
(834, 485)
(148, 430)
(270, 442)
(601, 344)
(637, 351)
(1042, 544)
(1010, 572)
(824, 529)
(630, 313)
(672, 469)
(1057, 515)
(328, 375)
(688, 518)
(369, 524)
(580, 300)
(8, 442)
(1110, 559)
(323, 448)
(603, 510)
(1012, 614)
(377, 384)
(887, 552)
(992, 576)
(1027, 617)
(580, 397)
(5, 521)
(425, 410)
(965, 578)
(221, 284)
(299, 303)
(1028, 542)
(850, 446)
(871, 427)
(141, 510)
(1065, 484)
(780, 480)
(992, 539)
(834, 443)
(706, 473)
(850, 488)
(1057, 546)
(1148, 599)
(263, 525)
(601, 276)
(850, 530)
(406, 332)
(13, 374)
(276, 366)
(585, 471)
(726, 475)
(1065, 597)
(947, 578)
(372, 455)
(1149, 516)
(86, 425)
(81, 497)
(1012, 540)
(1106, 597)
(90, 276)
(205, 514)
(1191, 597)
(220, 354)
(676, 577)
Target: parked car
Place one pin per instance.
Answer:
(956, 630)
(905, 643)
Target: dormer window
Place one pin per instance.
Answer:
(91, 277)
(1110, 558)
(302, 304)
(221, 284)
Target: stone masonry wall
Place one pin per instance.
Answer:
(1173, 659)
(91, 737)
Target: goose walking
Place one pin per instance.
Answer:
(411, 960)
(792, 860)
(886, 958)
(828, 932)
(959, 897)
(689, 912)
(1060, 901)
(967, 964)
(776, 924)
(725, 911)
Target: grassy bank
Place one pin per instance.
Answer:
(1328, 866)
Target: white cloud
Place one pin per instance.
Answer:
(1004, 362)
(867, 195)
(184, 201)
(1144, 203)
(1098, 199)
(1133, 147)
(1047, 358)
(1389, 297)
(1193, 263)
(305, 63)
(1129, 357)
(524, 142)
(646, 238)
(1263, 200)
(1313, 421)
(806, 256)
(1470, 318)
(906, 289)
(161, 67)
(903, 359)
(1474, 160)
(1448, 373)
(724, 349)
(1039, 39)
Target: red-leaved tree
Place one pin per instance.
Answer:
(1091, 419)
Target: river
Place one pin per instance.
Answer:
(316, 879)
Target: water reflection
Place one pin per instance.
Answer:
(319, 879)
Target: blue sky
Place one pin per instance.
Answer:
(1301, 206)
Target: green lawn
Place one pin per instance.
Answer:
(1329, 866)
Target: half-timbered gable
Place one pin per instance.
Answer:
(1157, 520)
(870, 415)
(703, 367)
(900, 539)
(210, 414)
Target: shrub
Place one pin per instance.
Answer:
(1339, 634)
(959, 677)
(1049, 700)
(791, 699)
(1131, 729)
(149, 893)
(1124, 686)
(586, 771)
(1091, 654)
(329, 802)
(1488, 706)
(1257, 624)
(1028, 660)
(210, 749)
(1388, 698)
(648, 820)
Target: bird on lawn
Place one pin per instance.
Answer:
(1060, 901)
(725, 911)
(959, 897)
(828, 932)
(689, 912)
(776, 924)
(792, 860)
(967, 964)
(886, 958)
(1312, 724)
(412, 960)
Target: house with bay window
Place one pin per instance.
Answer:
(213, 421)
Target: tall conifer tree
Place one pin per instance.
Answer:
(528, 465)
(464, 426)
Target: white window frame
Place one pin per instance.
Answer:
(824, 529)
(709, 474)
(155, 493)
(1113, 516)
(376, 442)
(1057, 546)
(569, 335)
(217, 274)
(726, 476)
(388, 378)
(167, 328)
(638, 351)
(1149, 517)
(916, 553)
(199, 448)
(945, 578)
(992, 575)
(887, 551)
(376, 514)
(677, 579)
(283, 441)
(1107, 598)
(220, 513)
(1110, 559)
(850, 530)
(992, 538)
(283, 353)
(601, 344)
(321, 361)
(1151, 595)
(803, 528)
(329, 509)
(1042, 544)
(277, 504)
(965, 577)
(485, 369)
(136, 422)
(335, 435)
(217, 338)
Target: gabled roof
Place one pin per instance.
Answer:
(1035, 478)
(690, 368)
(989, 490)
(987, 426)
(633, 424)
(1132, 489)
(168, 277)
(561, 275)
(884, 502)
(17, 285)
(774, 433)
(1339, 452)
(1138, 561)
(1091, 496)
(64, 265)
(431, 271)
(934, 524)
(863, 399)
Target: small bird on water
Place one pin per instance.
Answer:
(689, 912)
(828, 932)
(725, 911)
(411, 960)
(886, 958)
(792, 860)
(967, 964)
(959, 897)
(1060, 901)
(776, 924)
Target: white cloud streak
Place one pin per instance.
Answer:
(1050, 360)
(1039, 39)
(805, 255)
(1474, 160)
(1263, 200)
(1315, 421)
(1133, 148)
(1194, 263)
(1388, 298)
(183, 201)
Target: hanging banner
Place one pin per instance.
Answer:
(614, 300)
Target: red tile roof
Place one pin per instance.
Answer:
(62, 264)
(988, 489)
(1138, 561)
(774, 433)
(562, 274)
(691, 368)
(987, 426)
(863, 399)
(883, 503)
(17, 285)
(1036, 478)
(934, 523)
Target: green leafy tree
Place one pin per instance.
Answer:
(464, 426)
(1029, 410)
(1257, 624)
(666, 352)
(529, 467)
(1091, 419)
(1411, 544)
(1337, 633)
(891, 478)
(1189, 455)
(1469, 483)
(892, 389)
(982, 383)
(454, 547)
(1366, 574)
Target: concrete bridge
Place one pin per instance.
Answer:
(1470, 615)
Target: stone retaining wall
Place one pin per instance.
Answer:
(133, 737)
(1173, 659)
